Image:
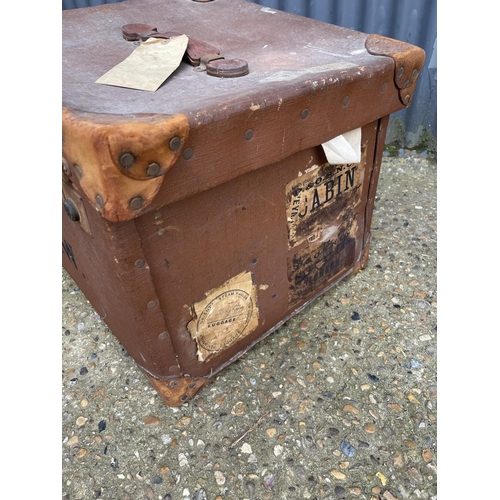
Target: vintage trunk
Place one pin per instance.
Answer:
(201, 216)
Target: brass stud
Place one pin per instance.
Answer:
(136, 203)
(414, 74)
(192, 385)
(345, 102)
(78, 170)
(153, 169)
(162, 336)
(188, 153)
(304, 114)
(173, 383)
(99, 201)
(401, 72)
(406, 99)
(384, 87)
(139, 263)
(127, 160)
(151, 304)
(175, 143)
(248, 134)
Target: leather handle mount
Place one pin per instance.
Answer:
(201, 55)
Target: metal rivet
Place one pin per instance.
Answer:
(192, 385)
(139, 263)
(384, 87)
(99, 201)
(153, 169)
(136, 203)
(65, 167)
(71, 210)
(173, 383)
(345, 102)
(127, 160)
(400, 72)
(175, 143)
(151, 304)
(407, 98)
(162, 336)
(248, 134)
(304, 114)
(188, 153)
(78, 170)
(414, 74)
(184, 397)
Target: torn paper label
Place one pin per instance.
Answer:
(345, 148)
(227, 314)
(314, 267)
(316, 201)
(151, 63)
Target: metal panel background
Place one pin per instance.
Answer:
(412, 21)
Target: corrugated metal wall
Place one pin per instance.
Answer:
(77, 4)
(413, 21)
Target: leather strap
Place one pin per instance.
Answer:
(201, 55)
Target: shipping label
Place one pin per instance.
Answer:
(316, 199)
(227, 314)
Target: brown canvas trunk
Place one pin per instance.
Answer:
(200, 217)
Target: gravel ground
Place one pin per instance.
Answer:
(340, 402)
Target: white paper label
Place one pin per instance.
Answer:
(345, 148)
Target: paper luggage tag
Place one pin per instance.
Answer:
(151, 63)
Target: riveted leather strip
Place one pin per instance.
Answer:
(408, 62)
(121, 160)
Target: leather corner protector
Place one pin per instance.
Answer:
(121, 160)
(176, 391)
(408, 62)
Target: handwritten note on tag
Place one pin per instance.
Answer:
(151, 63)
